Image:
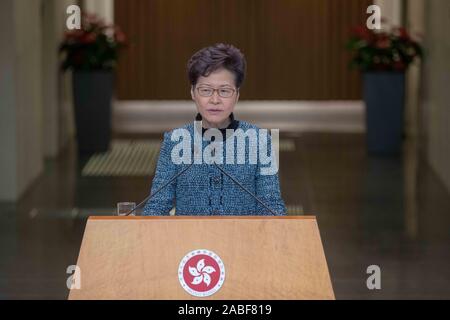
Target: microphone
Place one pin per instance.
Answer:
(165, 185)
(242, 187)
(186, 169)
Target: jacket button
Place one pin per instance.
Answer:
(216, 180)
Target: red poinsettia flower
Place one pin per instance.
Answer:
(95, 46)
(391, 50)
(89, 37)
(119, 36)
(402, 33)
(363, 33)
(383, 41)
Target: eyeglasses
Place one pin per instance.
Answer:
(222, 92)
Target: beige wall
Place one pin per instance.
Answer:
(28, 91)
(427, 113)
(21, 97)
(436, 100)
(415, 23)
(35, 103)
(58, 126)
(391, 10)
(8, 138)
(410, 16)
(103, 8)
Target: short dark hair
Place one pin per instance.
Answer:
(210, 59)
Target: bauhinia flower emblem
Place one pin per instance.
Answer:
(201, 273)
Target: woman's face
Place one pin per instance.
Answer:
(216, 108)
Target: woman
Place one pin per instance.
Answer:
(227, 187)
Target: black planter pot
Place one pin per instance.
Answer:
(92, 93)
(384, 95)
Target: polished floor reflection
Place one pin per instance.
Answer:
(387, 211)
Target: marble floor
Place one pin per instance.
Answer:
(388, 211)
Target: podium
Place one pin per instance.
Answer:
(264, 258)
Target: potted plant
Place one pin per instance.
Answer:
(91, 53)
(383, 57)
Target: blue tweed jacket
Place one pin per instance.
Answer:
(204, 190)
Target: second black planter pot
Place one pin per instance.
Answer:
(384, 96)
(92, 93)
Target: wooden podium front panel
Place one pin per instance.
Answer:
(264, 258)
